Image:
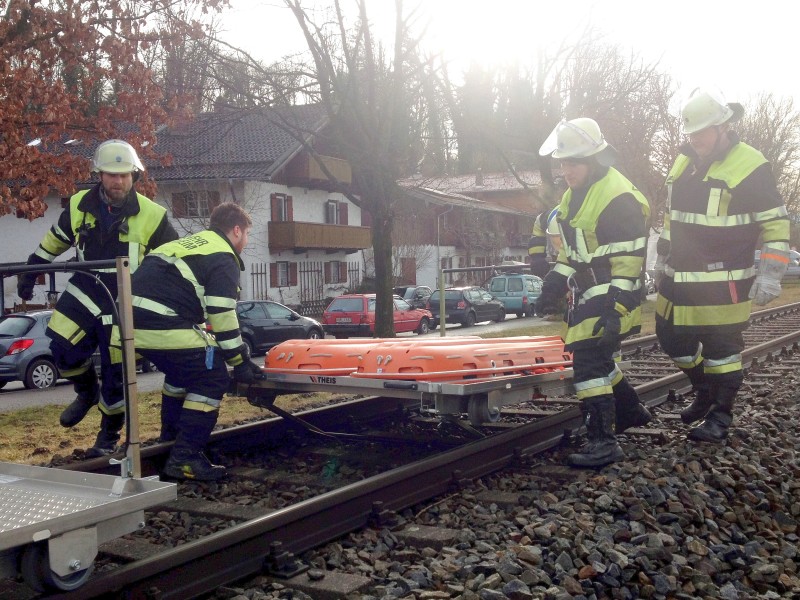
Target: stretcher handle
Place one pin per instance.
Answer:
(401, 385)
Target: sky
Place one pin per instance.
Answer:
(743, 49)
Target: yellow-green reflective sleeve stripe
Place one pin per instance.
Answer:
(628, 247)
(170, 339)
(153, 306)
(563, 269)
(710, 220)
(221, 302)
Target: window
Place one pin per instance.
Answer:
(276, 311)
(335, 212)
(283, 274)
(194, 204)
(336, 271)
(515, 285)
(332, 212)
(498, 285)
(401, 304)
(249, 311)
(281, 208)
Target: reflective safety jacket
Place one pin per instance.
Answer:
(539, 245)
(718, 214)
(182, 286)
(133, 230)
(604, 239)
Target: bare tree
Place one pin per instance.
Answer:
(371, 94)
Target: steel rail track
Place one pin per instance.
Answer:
(201, 566)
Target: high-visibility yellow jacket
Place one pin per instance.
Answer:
(718, 214)
(134, 229)
(604, 236)
(183, 285)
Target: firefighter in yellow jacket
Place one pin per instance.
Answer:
(602, 218)
(179, 288)
(722, 205)
(102, 223)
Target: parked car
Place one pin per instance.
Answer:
(467, 305)
(265, 323)
(25, 350)
(517, 292)
(416, 295)
(354, 315)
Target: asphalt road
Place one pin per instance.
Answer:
(14, 396)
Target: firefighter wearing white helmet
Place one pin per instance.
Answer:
(722, 203)
(602, 220)
(103, 222)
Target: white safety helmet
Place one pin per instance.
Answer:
(706, 109)
(579, 138)
(116, 156)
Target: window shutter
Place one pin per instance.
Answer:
(342, 213)
(342, 272)
(293, 274)
(327, 272)
(366, 218)
(273, 274)
(289, 209)
(274, 209)
(178, 206)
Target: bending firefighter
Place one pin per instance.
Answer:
(722, 204)
(102, 223)
(602, 219)
(179, 288)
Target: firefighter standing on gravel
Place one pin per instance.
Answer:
(722, 203)
(102, 223)
(602, 220)
(178, 288)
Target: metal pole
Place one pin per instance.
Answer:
(133, 453)
(442, 320)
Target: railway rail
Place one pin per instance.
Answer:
(294, 488)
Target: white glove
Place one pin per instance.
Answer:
(659, 270)
(765, 289)
(771, 268)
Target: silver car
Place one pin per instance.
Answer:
(25, 350)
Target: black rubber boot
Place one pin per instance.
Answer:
(602, 447)
(187, 465)
(714, 428)
(187, 461)
(107, 438)
(700, 405)
(171, 408)
(630, 412)
(88, 395)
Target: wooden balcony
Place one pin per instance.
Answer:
(293, 235)
(305, 170)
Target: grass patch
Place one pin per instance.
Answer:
(33, 435)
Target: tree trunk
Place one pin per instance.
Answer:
(384, 280)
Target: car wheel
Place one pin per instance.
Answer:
(433, 324)
(315, 334)
(501, 316)
(147, 366)
(530, 311)
(519, 314)
(470, 320)
(41, 374)
(424, 326)
(341, 337)
(249, 345)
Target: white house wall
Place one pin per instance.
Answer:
(22, 236)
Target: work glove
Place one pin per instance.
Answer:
(771, 268)
(553, 292)
(247, 372)
(609, 322)
(659, 270)
(25, 283)
(765, 289)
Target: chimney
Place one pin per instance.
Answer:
(479, 177)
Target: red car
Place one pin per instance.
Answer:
(354, 315)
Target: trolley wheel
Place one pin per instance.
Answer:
(35, 569)
(478, 410)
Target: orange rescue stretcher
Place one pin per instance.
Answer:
(449, 376)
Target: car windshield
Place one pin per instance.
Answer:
(346, 305)
(15, 326)
(448, 295)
